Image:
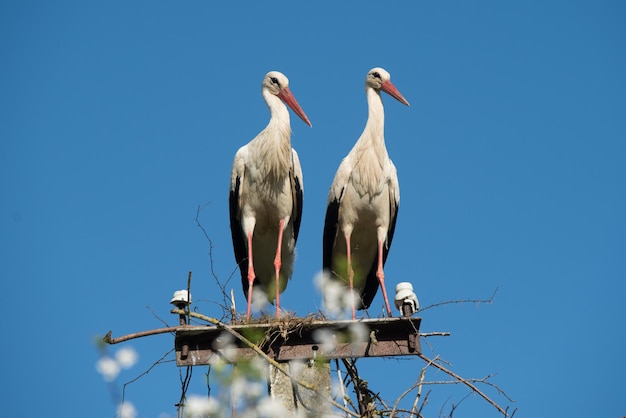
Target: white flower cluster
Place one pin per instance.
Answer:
(126, 410)
(338, 298)
(200, 406)
(329, 339)
(110, 367)
(243, 386)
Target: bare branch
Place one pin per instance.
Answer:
(109, 340)
(187, 305)
(490, 300)
(424, 403)
(419, 390)
(464, 381)
(360, 386)
(496, 387)
(212, 262)
(156, 363)
(419, 384)
(157, 316)
(342, 384)
(208, 238)
(184, 381)
(434, 334)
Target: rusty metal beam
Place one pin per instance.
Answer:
(300, 340)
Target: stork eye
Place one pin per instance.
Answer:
(275, 81)
(376, 74)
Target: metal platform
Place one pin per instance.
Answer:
(299, 340)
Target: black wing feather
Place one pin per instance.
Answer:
(330, 233)
(298, 204)
(239, 241)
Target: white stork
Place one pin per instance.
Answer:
(266, 197)
(363, 204)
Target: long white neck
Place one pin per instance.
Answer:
(373, 136)
(279, 115)
(369, 154)
(274, 142)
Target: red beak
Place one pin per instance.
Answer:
(391, 90)
(287, 97)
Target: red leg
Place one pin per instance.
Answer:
(278, 264)
(350, 276)
(251, 275)
(381, 276)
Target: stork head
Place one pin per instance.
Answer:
(277, 83)
(379, 79)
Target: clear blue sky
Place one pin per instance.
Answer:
(118, 119)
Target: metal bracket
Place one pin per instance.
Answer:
(299, 340)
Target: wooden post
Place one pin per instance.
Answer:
(294, 397)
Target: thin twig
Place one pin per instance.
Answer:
(208, 238)
(357, 383)
(434, 334)
(454, 407)
(490, 300)
(419, 390)
(464, 381)
(157, 316)
(188, 304)
(184, 381)
(341, 384)
(496, 387)
(418, 384)
(143, 374)
(211, 261)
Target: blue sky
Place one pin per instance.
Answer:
(119, 119)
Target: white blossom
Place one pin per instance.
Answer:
(259, 299)
(326, 338)
(108, 368)
(126, 357)
(200, 406)
(338, 298)
(260, 366)
(359, 332)
(126, 410)
(225, 343)
(270, 408)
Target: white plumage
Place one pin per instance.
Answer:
(363, 204)
(266, 197)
